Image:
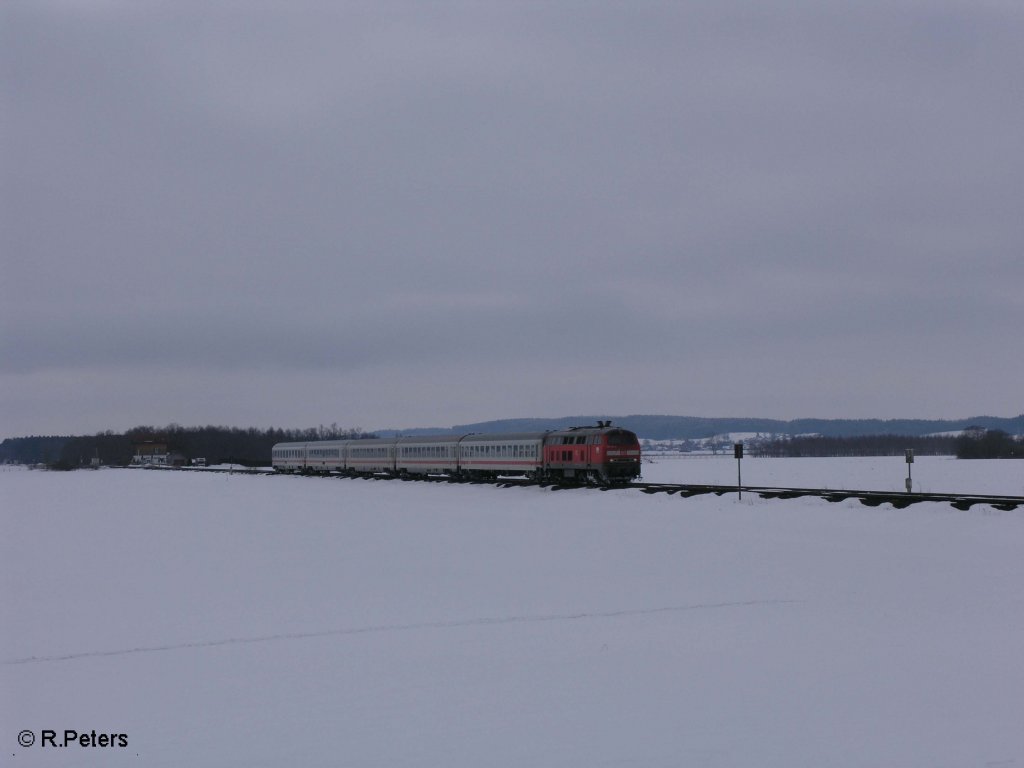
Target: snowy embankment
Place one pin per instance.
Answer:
(265, 621)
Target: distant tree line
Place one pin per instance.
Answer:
(37, 449)
(978, 443)
(218, 445)
(861, 445)
(974, 443)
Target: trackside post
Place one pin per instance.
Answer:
(737, 451)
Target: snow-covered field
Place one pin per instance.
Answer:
(233, 620)
(930, 474)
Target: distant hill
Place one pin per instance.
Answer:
(693, 427)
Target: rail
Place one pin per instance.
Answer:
(898, 499)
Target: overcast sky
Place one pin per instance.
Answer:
(423, 214)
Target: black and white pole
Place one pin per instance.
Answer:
(909, 452)
(737, 451)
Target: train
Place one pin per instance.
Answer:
(599, 455)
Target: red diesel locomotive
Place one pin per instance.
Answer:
(601, 454)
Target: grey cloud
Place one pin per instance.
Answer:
(314, 188)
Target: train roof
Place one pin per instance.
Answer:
(492, 437)
(593, 429)
(426, 439)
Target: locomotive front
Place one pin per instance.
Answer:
(602, 454)
(621, 456)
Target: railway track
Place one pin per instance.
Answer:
(898, 499)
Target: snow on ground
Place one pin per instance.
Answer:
(930, 474)
(234, 620)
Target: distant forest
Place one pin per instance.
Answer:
(218, 445)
